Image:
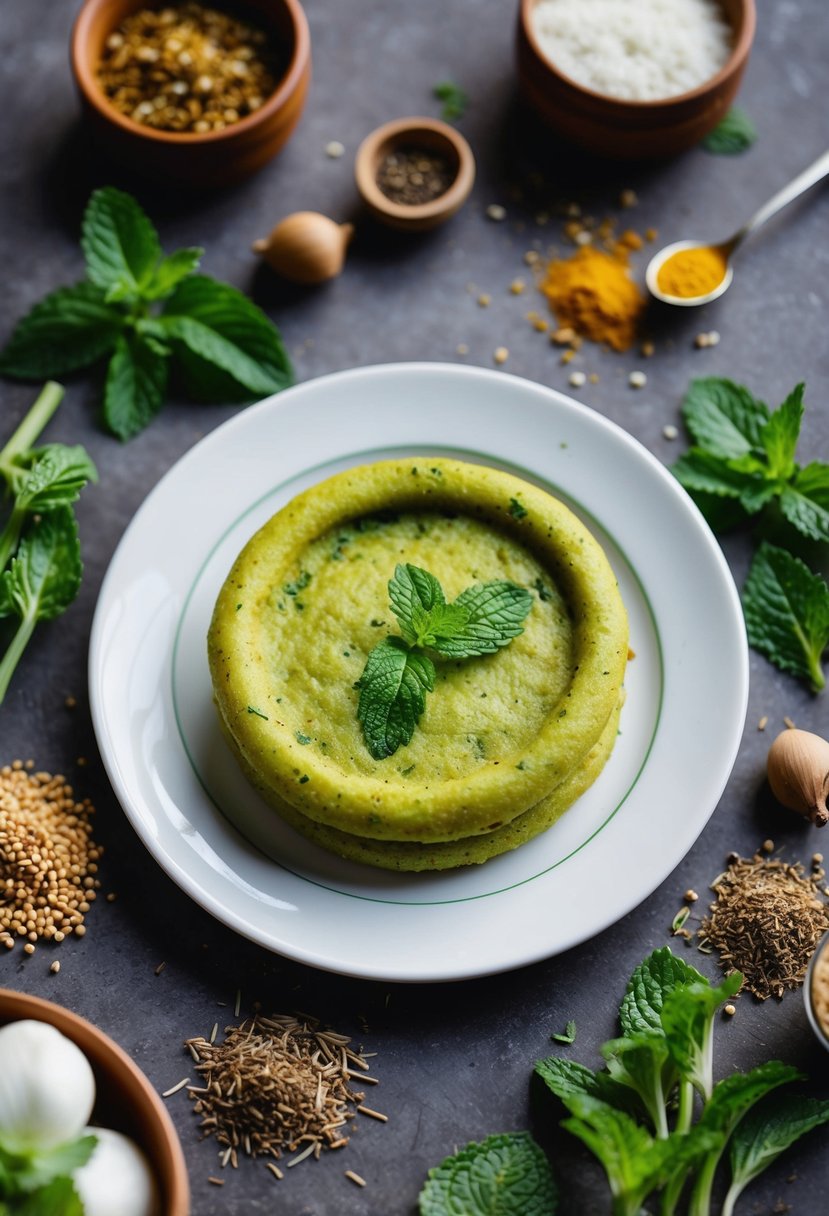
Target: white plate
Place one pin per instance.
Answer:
(158, 734)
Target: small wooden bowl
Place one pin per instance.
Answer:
(215, 158)
(631, 130)
(125, 1100)
(433, 136)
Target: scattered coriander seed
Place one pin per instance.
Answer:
(500, 354)
(55, 967)
(691, 896)
(28, 948)
(763, 723)
(517, 287)
(637, 379)
(729, 1010)
(496, 212)
(334, 149)
(563, 336)
(817, 859)
(670, 431)
(584, 237)
(701, 341)
(532, 257)
(768, 846)
(647, 350)
(461, 349)
(628, 198)
(713, 338)
(577, 379)
(567, 356)
(80, 931)
(540, 325)
(484, 300)
(111, 897)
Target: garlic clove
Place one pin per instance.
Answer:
(306, 247)
(47, 1088)
(116, 1178)
(798, 772)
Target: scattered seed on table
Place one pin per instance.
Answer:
(373, 1114)
(669, 431)
(496, 212)
(159, 968)
(334, 149)
(168, 1093)
(216, 1181)
(500, 354)
(729, 1010)
(55, 967)
(763, 723)
(628, 198)
(637, 379)
(461, 349)
(355, 1178)
(275, 1170)
(577, 379)
(517, 287)
(484, 300)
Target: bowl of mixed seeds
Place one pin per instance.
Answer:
(190, 93)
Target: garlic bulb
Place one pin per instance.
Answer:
(116, 1178)
(46, 1087)
(798, 771)
(306, 247)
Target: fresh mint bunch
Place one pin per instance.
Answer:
(743, 464)
(40, 556)
(505, 1175)
(147, 314)
(625, 1112)
(40, 1183)
(398, 674)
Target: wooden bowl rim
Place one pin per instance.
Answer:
(402, 130)
(287, 86)
(739, 52)
(16, 1006)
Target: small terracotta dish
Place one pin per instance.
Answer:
(631, 130)
(125, 1100)
(430, 135)
(214, 158)
(820, 960)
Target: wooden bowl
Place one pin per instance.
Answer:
(631, 130)
(125, 1100)
(215, 158)
(431, 135)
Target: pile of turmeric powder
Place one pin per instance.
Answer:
(592, 292)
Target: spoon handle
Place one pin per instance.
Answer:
(804, 181)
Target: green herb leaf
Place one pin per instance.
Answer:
(702, 472)
(454, 98)
(120, 244)
(805, 503)
(69, 329)
(36, 1170)
(56, 477)
(59, 1198)
(170, 271)
(724, 417)
(765, 1133)
(734, 133)
(224, 343)
(569, 1035)
(687, 1020)
(786, 610)
(780, 434)
(412, 590)
(505, 1175)
(651, 983)
(643, 1064)
(496, 613)
(633, 1161)
(393, 690)
(135, 386)
(569, 1081)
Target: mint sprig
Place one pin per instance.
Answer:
(504, 1175)
(786, 608)
(398, 674)
(148, 314)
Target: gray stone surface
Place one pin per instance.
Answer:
(454, 1060)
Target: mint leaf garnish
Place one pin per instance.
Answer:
(779, 435)
(505, 1175)
(734, 133)
(120, 244)
(482, 619)
(151, 313)
(454, 98)
(786, 609)
(393, 690)
(569, 1035)
(805, 502)
(724, 417)
(652, 981)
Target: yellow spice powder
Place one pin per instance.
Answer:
(593, 293)
(689, 273)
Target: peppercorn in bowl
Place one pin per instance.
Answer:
(193, 94)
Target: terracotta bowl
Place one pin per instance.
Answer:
(431, 135)
(215, 158)
(631, 129)
(125, 1100)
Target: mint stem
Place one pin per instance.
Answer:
(10, 535)
(15, 650)
(686, 1106)
(33, 423)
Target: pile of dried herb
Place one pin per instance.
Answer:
(277, 1084)
(766, 922)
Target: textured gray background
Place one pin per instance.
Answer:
(454, 1060)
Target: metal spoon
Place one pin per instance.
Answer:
(808, 178)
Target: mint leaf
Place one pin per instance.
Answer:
(69, 329)
(56, 477)
(633, 1161)
(393, 690)
(120, 244)
(732, 134)
(227, 343)
(170, 271)
(570, 1081)
(786, 610)
(642, 1063)
(780, 434)
(702, 472)
(765, 1133)
(652, 981)
(38, 1169)
(504, 1175)
(687, 1020)
(59, 1198)
(569, 1035)
(724, 417)
(805, 503)
(135, 386)
(496, 612)
(412, 590)
(454, 98)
